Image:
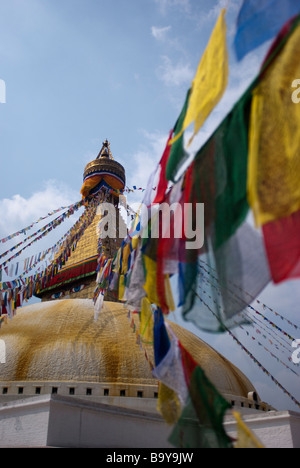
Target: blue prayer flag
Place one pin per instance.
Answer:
(261, 20)
(161, 339)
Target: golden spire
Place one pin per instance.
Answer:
(105, 151)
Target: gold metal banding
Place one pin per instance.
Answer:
(99, 165)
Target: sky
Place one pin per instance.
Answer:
(76, 72)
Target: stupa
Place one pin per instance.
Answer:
(57, 354)
(105, 176)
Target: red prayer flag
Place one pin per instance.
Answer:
(188, 363)
(282, 241)
(163, 183)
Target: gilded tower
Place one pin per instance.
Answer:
(103, 180)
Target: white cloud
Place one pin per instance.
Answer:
(19, 212)
(174, 74)
(147, 157)
(160, 33)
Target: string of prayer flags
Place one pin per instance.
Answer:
(134, 188)
(217, 178)
(24, 230)
(258, 21)
(274, 140)
(262, 368)
(254, 339)
(41, 232)
(265, 307)
(211, 79)
(274, 380)
(238, 266)
(282, 242)
(209, 279)
(15, 292)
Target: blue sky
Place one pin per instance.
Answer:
(80, 71)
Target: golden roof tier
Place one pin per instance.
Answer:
(104, 171)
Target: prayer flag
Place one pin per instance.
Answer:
(170, 370)
(161, 338)
(228, 279)
(245, 438)
(274, 141)
(231, 161)
(168, 404)
(282, 241)
(178, 155)
(188, 363)
(150, 285)
(146, 327)
(261, 20)
(163, 183)
(201, 422)
(210, 81)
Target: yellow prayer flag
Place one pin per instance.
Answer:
(169, 294)
(168, 404)
(121, 287)
(150, 284)
(274, 139)
(126, 253)
(146, 327)
(245, 438)
(210, 81)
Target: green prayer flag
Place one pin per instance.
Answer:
(178, 155)
(231, 205)
(201, 422)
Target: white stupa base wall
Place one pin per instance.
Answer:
(59, 421)
(275, 429)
